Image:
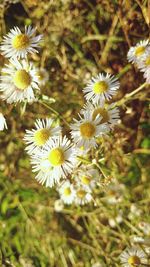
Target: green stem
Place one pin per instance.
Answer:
(127, 96)
(55, 112)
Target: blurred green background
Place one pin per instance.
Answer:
(81, 39)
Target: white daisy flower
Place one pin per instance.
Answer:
(38, 137)
(83, 196)
(17, 44)
(67, 192)
(18, 81)
(3, 124)
(109, 113)
(115, 193)
(101, 88)
(133, 257)
(144, 65)
(87, 177)
(85, 131)
(136, 53)
(54, 162)
(43, 76)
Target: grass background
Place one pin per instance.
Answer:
(81, 38)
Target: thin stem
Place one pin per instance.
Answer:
(55, 112)
(101, 170)
(127, 96)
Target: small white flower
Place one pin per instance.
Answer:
(133, 257)
(58, 205)
(3, 124)
(17, 44)
(109, 113)
(144, 65)
(136, 53)
(67, 192)
(82, 196)
(87, 177)
(101, 88)
(135, 211)
(18, 81)
(42, 76)
(54, 162)
(38, 137)
(145, 227)
(117, 220)
(85, 131)
(115, 193)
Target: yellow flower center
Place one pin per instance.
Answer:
(67, 191)
(81, 193)
(147, 62)
(134, 261)
(41, 136)
(56, 156)
(100, 87)
(139, 51)
(85, 180)
(82, 148)
(20, 41)
(22, 79)
(87, 130)
(103, 113)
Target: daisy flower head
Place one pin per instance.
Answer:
(137, 52)
(85, 130)
(17, 44)
(144, 65)
(87, 177)
(38, 137)
(53, 162)
(18, 81)
(109, 113)
(3, 124)
(43, 76)
(115, 193)
(67, 192)
(83, 196)
(102, 87)
(132, 257)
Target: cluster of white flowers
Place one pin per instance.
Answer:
(140, 55)
(20, 79)
(56, 159)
